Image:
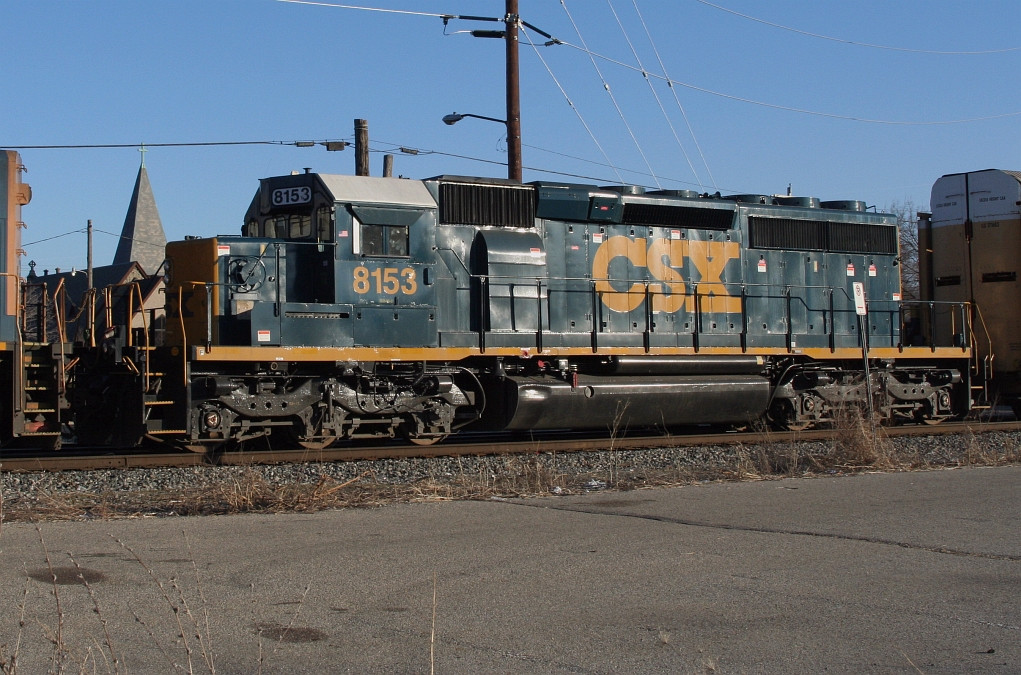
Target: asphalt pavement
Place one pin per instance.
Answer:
(899, 573)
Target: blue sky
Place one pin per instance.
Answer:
(220, 71)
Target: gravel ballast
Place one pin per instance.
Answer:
(313, 486)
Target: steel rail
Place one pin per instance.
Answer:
(83, 459)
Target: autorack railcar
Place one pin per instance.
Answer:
(969, 250)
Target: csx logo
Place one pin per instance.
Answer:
(665, 260)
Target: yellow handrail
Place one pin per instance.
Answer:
(180, 316)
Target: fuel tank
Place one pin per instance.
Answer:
(623, 402)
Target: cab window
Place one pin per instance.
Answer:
(324, 224)
(383, 231)
(387, 240)
(299, 226)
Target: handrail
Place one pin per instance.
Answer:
(129, 317)
(58, 315)
(989, 354)
(108, 308)
(180, 315)
(18, 403)
(136, 287)
(649, 289)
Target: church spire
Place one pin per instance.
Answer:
(142, 237)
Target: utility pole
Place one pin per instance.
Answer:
(513, 93)
(88, 252)
(361, 147)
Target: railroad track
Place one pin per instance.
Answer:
(84, 459)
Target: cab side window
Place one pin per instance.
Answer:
(383, 231)
(386, 240)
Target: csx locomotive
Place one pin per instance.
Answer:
(352, 307)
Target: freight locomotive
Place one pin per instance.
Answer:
(352, 307)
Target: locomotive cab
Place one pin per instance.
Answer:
(357, 255)
(309, 270)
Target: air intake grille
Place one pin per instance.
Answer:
(474, 204)
(821, 235)
(678, 216)
(787, 233)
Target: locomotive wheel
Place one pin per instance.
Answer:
(202, 448)
(317, 443)
(425, 440)
(784, 417)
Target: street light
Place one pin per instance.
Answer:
(513, 159)
(454, 118)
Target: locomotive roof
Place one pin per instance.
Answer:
(372, 190)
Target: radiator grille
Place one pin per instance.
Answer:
(821, 235)
(474, 204)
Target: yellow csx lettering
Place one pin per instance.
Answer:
(662, 258)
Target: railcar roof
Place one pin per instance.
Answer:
(1016, 175)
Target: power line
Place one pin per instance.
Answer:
(570, 103)
(58, 236)
(853, 42)
(613, 99)
(300, 144)
(608, 166)
(803, 111)
(677, 100)
(370, 9)
(711, 92)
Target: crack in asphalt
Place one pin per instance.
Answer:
(776, 530)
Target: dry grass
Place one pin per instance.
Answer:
(853, 449)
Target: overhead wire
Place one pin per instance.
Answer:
(56, 236)
(570, 103)
(803, 111)
(95, 229)
(636, 172)
(670, 81)
(677, 99)
(91, 146)
(367, 9)
(416, 152)
(655, 95)
(854, 42)
(609, 91)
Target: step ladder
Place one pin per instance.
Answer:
(43, 392)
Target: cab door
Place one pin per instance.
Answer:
(383, 272)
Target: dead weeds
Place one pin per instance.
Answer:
(854, 449)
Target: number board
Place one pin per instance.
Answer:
(294, 195)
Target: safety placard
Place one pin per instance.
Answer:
(859, 298)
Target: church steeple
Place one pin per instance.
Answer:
(142, 237)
